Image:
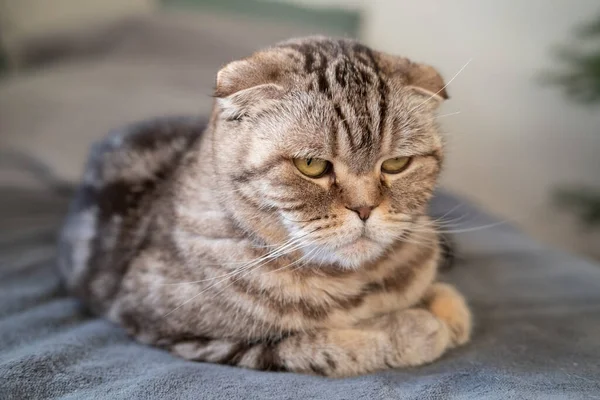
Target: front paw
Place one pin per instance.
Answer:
(420, 338)
(446, 303)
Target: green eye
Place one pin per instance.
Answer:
(395, 165)
(312, 167)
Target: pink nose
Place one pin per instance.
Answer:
(363, 212)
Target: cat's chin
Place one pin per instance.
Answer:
(350, 256)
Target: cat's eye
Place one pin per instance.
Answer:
(312, 167)
(395, 165)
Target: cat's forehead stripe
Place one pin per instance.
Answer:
(344, 72)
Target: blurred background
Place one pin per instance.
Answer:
(522, 125)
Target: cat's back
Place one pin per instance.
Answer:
(109, 218)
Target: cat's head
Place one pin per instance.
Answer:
(329, 144)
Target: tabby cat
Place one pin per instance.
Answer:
(289, 233)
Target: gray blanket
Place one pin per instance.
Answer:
(537, 331)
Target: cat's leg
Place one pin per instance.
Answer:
(404, 338)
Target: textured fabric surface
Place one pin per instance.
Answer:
(537, 327)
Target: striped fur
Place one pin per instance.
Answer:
(210, 243)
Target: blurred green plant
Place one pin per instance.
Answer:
(583, 201)
(580, 81)
(3, 63)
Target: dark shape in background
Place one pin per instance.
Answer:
(580, 81)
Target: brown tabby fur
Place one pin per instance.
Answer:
(215, 246)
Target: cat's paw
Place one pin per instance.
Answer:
(446, 303)
(421, 337)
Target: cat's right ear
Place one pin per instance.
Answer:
(247, 86)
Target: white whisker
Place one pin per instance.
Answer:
(444, 87)
(286, 248)
(447, 115)
(268, 272)
(247, 269)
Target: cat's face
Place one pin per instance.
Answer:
(338, 151)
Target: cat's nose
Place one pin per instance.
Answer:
(363, 212)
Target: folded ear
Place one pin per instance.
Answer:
(421, 78)
(250, 84)
(246, 102)
(425, 79)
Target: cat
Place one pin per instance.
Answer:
(290, 233)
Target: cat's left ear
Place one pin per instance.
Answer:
(426, 80)
(420, 78)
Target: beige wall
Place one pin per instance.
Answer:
(514, 140)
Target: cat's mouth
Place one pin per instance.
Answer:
(352, 248)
